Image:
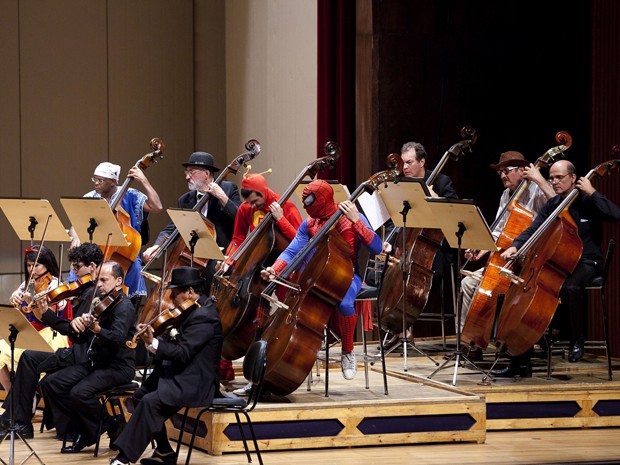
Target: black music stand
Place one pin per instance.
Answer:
(195, 233)
(26, 214)
(94, 218)
(12, 323)
(406, 200)
(463, 226)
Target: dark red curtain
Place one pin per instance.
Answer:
(336, 85)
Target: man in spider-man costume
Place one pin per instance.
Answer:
(318, 201)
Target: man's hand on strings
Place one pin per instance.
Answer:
(148, 335)
(276, 211)
(267, 274)
(475, 255)
(350, 211)
(509, 253)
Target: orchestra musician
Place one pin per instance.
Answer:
(589, 211)
(219, 210)
(185, 373)
(71, 391)
(137, 205)
(84, 261)
(45, 278)
(414, 158)
(318, 201)
(259, 200)
(512, 168)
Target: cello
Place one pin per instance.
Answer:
(481, 315)
(323, 273)
(236, 294)
(180, 255)
(126, 255)
(421, 246)
(549, 256)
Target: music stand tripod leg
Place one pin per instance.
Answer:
(458, 353)
(12, 432)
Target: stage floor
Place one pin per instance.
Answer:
(421, 410)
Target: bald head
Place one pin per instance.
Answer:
(562, 176)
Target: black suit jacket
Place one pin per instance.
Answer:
(223, 218)
(187, 366)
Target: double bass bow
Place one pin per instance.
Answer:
(236, 293)
(481, 315)
(421, 246)
(180, 254)
(126, 255)
(323, 273)
(549, 256)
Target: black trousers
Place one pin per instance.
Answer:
(573, 308)
(25, 384)
(147, 422)
(71, 396)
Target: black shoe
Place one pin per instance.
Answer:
(158, 458)
(25, 430)
(475, 355)
(512, 370)
(78, 445)
(576, 352)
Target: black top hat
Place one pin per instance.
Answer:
(202, 159)
(185, 276)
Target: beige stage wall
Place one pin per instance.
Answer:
(85, 82)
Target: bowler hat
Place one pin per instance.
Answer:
(185, 276)
(510, 158)
(202, 159)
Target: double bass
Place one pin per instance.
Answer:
(236, 294)
(481, 315)
(549, 256)
(180, 255)
(421, 246)
(126, 255)
(323, 273)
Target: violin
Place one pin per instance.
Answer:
(164, 320)
(38, 290)
(100, 305)
(70, 290)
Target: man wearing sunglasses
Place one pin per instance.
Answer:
(137, 204)
(512, 168)
(589, 210)
(220, 209)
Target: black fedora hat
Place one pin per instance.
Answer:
(202, 159)
(185, 276)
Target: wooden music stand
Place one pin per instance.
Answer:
(195, 233)
(29, 337)
(26, 214)
(94, 219)
(464, 226)
(406, 203)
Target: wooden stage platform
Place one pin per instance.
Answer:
(421, 410)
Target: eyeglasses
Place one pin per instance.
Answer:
(77, 266)
(97, 180)
(191, 172)
(557, 178)
(507, 170)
